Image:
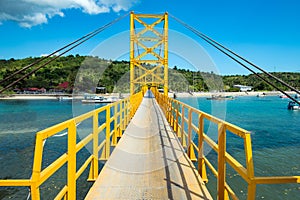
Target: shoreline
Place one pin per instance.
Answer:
(234, 94)
(179, 94)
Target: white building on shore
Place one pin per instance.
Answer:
(243, 88)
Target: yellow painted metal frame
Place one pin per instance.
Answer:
(175, 113)
(123, 112)
(158, 39)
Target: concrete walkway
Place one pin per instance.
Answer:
(148, 162)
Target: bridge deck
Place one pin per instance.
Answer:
(148, 162)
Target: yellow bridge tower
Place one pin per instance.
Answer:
(148, 51)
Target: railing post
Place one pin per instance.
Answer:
(107, 135)
(37, 165)
(250, 166)
(177, 116)
(131, 106)
(221, 162)
(168, 109)
(165, 105)
(189, 143)
(121, 117)
(172, 114)
(115, 135)
(158, 97)
(251, 191)
(183, 139)
(94, 165)
(71, 194)
(190, 150)
(126, 108)
(119, 107)
(201, 162)
(189, 127)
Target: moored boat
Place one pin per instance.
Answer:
(220, 97)
(99, 99)
(293, 105)
(261, 95)
(63, 98)
(283, 96)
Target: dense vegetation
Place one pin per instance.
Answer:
(85, 72)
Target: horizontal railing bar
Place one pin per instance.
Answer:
(184, 133)
(236, 130)
(111, 119)
(83, 142)
(101, 145)
(212, 118)
(179, 126)
(62, 193)
(99, 110)
(231, 192)
(195, 146)
(48, 132)
(233, 162)
(52, 168)
(15, 182)
(195, 128)
(111, 133)
(117, 115)
(211, 167)
(83, 117)
(185, 119)
(101, 128)
(84, 166)
(211, 143)
(238, 167)
(277, 179)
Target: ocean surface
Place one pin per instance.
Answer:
(275, 134)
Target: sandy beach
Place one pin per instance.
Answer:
(171, 94)
(29, 97)
(234, 94)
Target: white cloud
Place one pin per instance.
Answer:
(28, 13)
(118, 5)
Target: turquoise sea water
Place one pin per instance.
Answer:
(275, 140)
(19, 122)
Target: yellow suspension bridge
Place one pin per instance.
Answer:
(149, 152)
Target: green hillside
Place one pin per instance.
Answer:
(88, 72)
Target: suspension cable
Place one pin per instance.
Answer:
(78, 41)
(45, 57)
(222, 48)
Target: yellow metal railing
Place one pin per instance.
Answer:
(123, 112)
(180, 115)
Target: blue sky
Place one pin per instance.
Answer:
(266, 32)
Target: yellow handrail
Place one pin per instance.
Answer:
(175, 113)
(123, 112)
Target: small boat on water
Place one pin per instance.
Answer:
(261, 95)
(99, 99)
(64, 98)
(283, 96)
(293, 106)
(220, 97)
